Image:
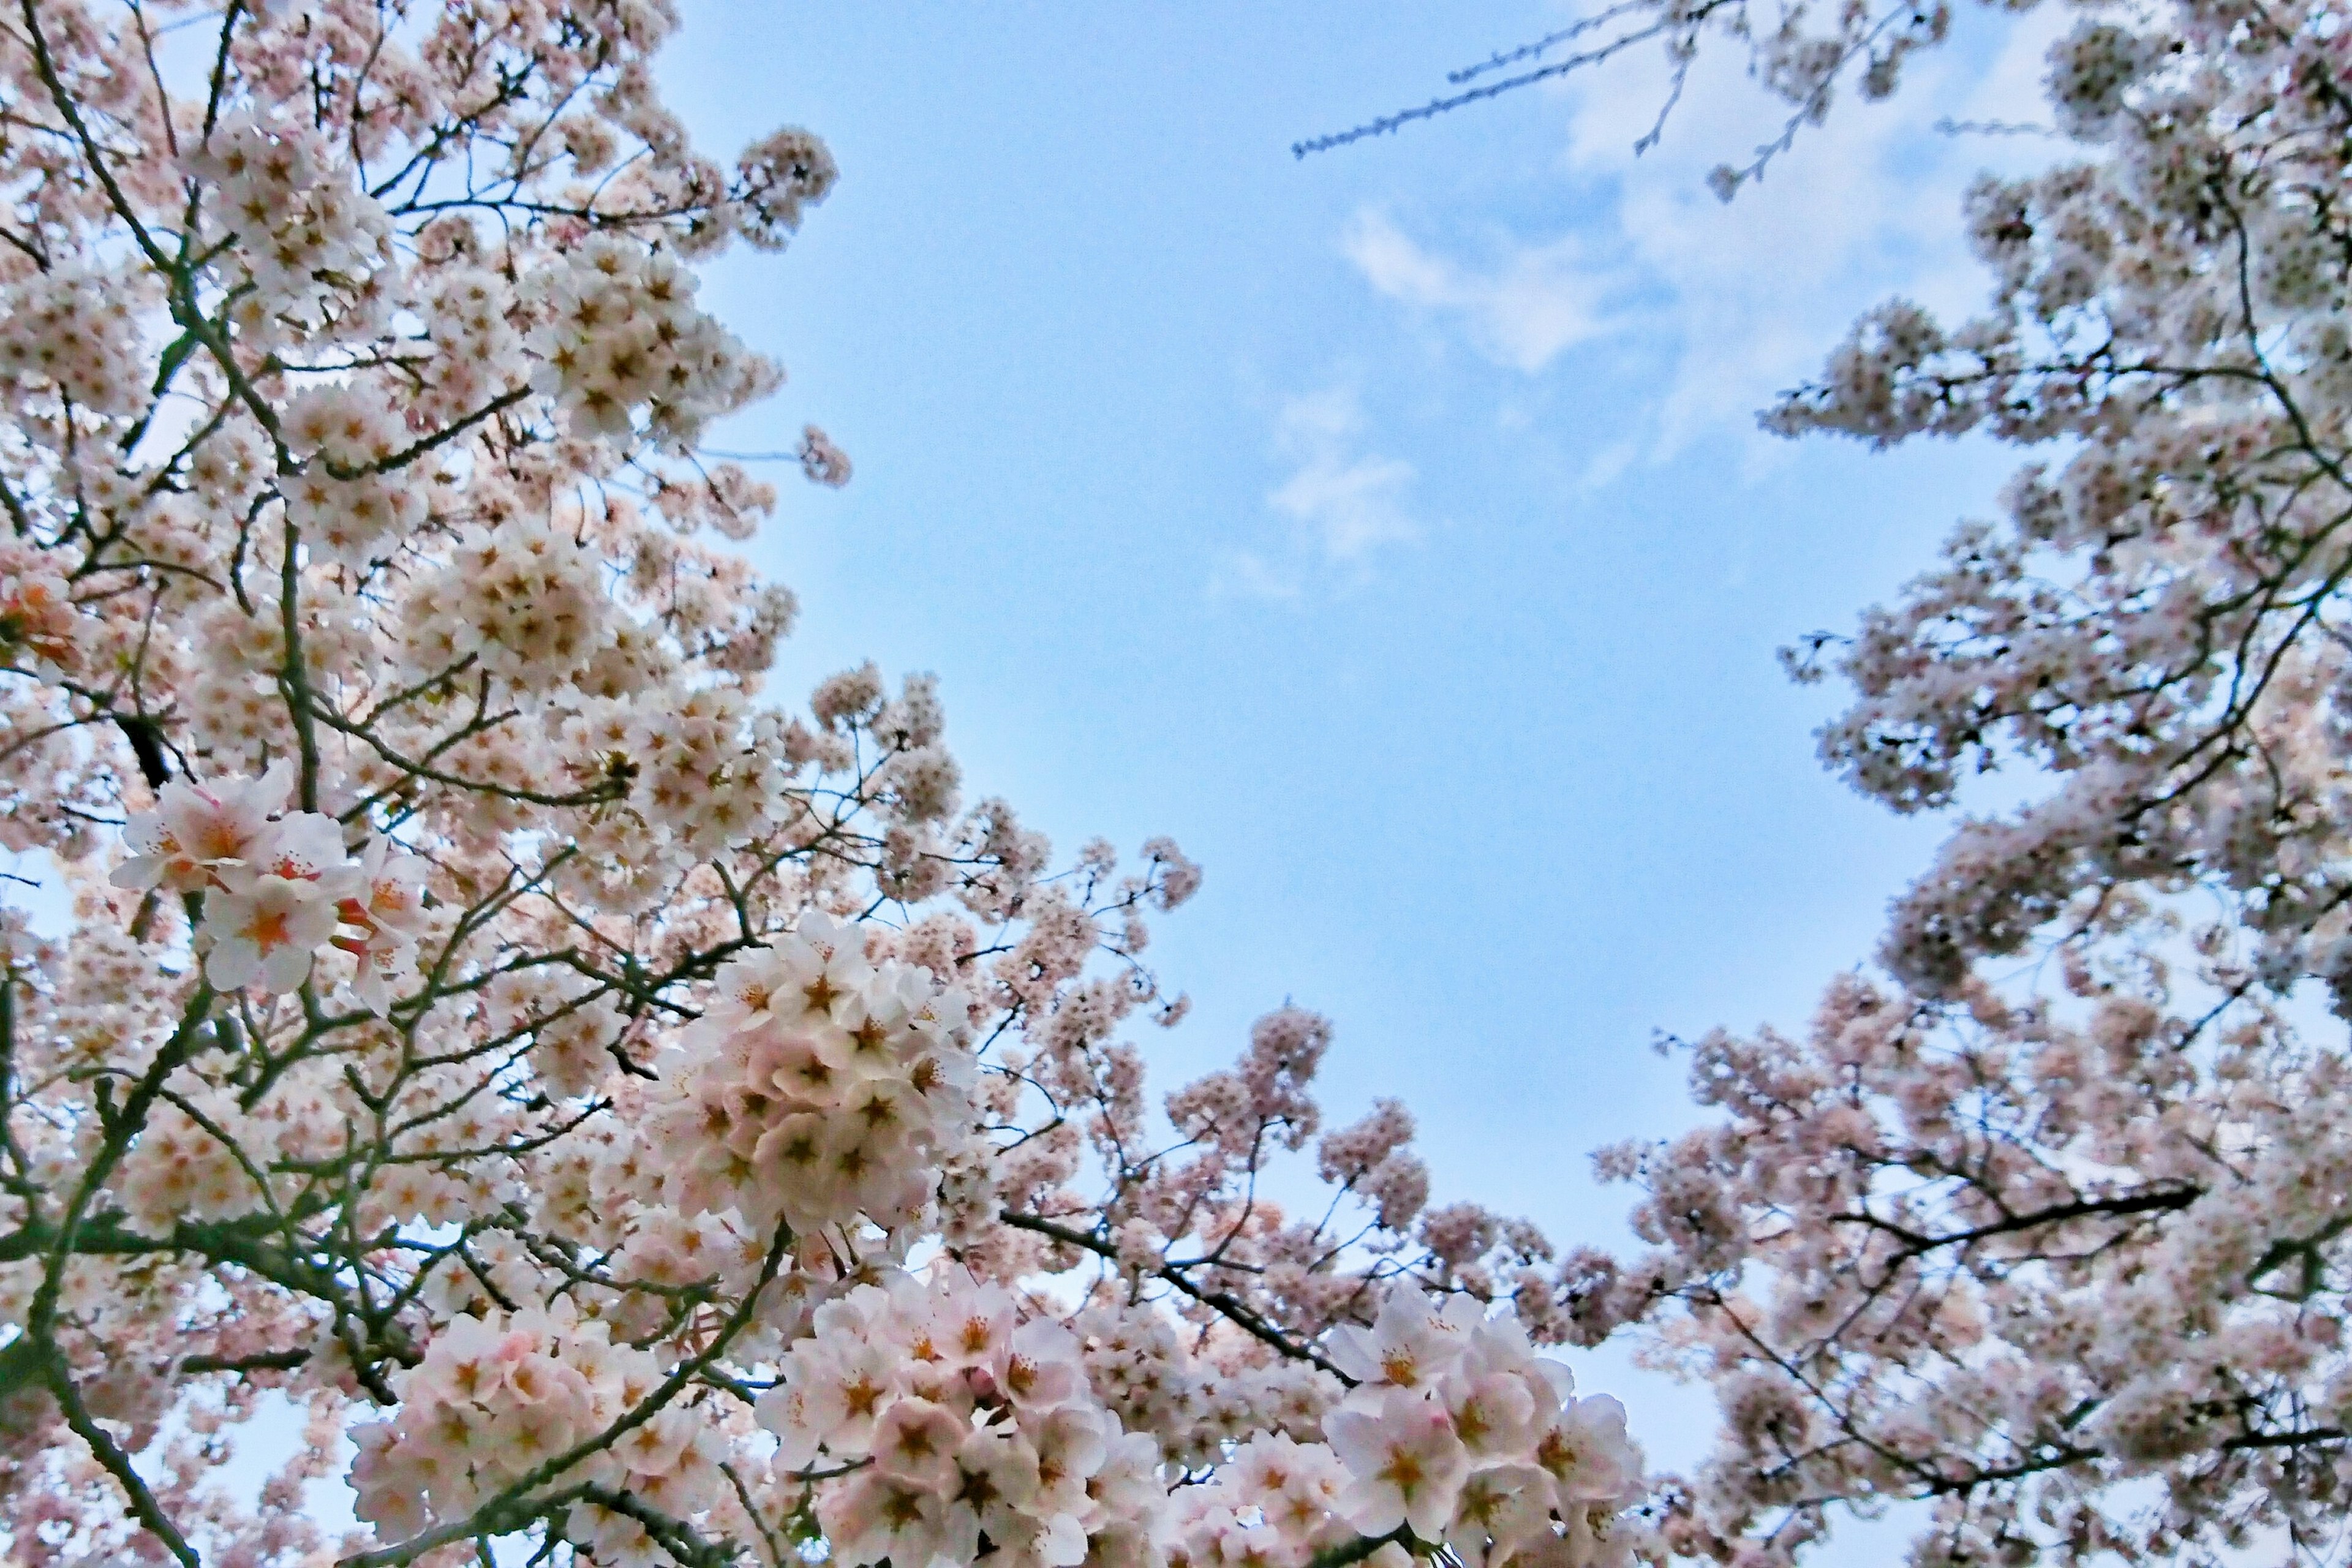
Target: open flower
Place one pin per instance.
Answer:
(1405, 1465)
(302, 845)
(917, 1442)
(267, 934)
(1410, 1345)
(193, 832)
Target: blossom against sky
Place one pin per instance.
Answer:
(1389, 526)
(1399, 536)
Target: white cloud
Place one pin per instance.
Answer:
(1348, 502)
(1536, 302)
(1727, 304)
(1344, 504)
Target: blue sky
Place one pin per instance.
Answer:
(1390, 527)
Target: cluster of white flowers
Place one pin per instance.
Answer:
(498, 1396)
(195, 1161)
(573, 1027)
(280, 885)
(469, 315)
(1454, 1433)
(562, 1031)
(348, 508)
(819, 1087)
(618, 331)
(708, 770)
(959, 1424)
(521, 598)
(1139, 1362)
(39, 630)
(65, 332)
(784, 173)
(309, 240)
(2091, 69)
(822, 460)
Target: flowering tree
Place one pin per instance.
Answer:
(605, 1112)
(2046, 1227)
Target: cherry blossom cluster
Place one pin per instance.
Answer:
(1142, 1365)
(954, 1428)
(39, 630)
(279, 883)
(817, 1089)
(2044, 1229)
(500, 1398)
(937, 1422)
(306, 242)
(1455, 1432)
(472, 1013)
(521, 601)
(66, 341)
(618, 332)
(346, 501)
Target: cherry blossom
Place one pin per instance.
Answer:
(2040, 1226)
(622, 1114)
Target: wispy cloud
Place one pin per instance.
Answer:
(1349, 502)
(1723, 305)
(1343, 504)
(1522, 312)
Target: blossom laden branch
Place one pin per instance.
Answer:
(490, 1024)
